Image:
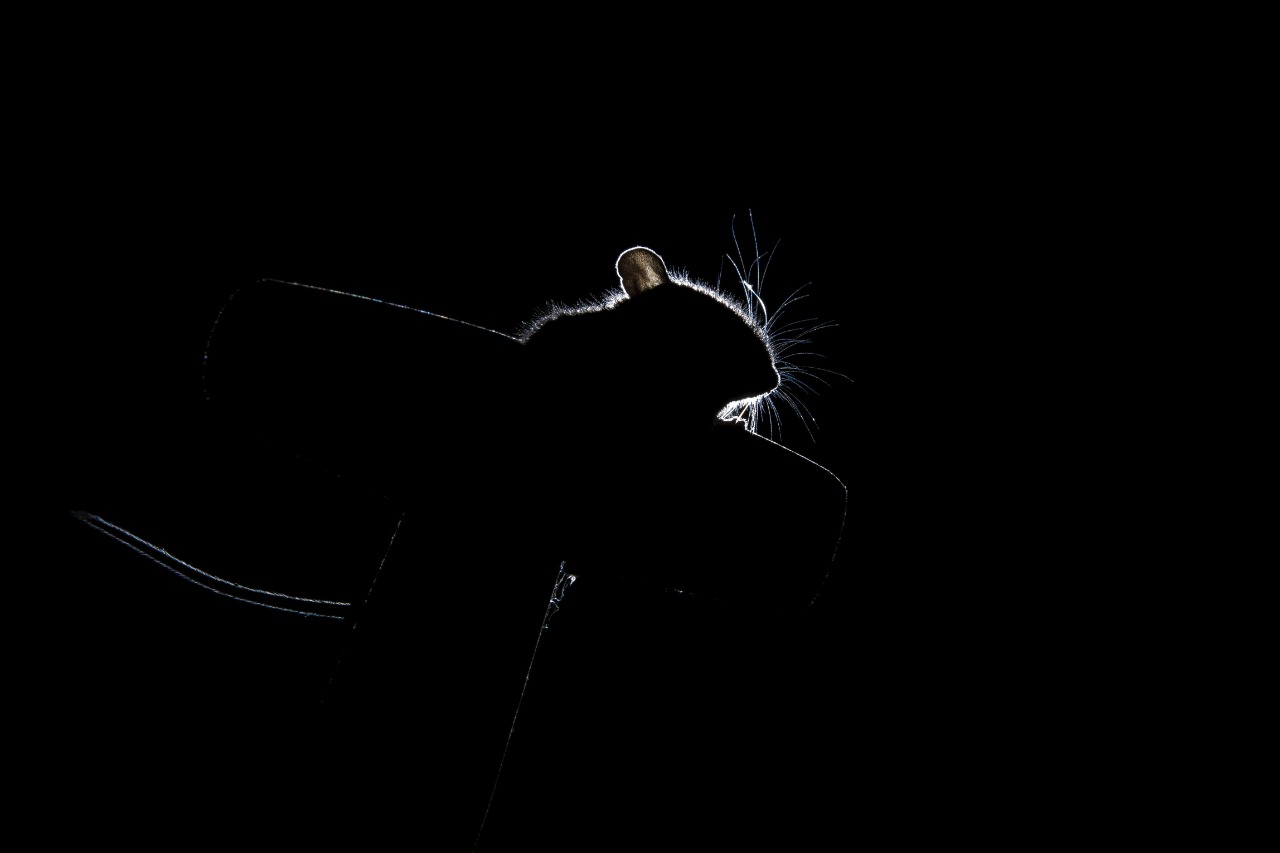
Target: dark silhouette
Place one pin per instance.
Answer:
(661, 699)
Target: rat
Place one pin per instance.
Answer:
(606, 438)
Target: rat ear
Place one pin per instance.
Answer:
(641, 269)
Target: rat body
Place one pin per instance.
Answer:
(607, 434)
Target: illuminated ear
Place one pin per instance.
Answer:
(641, 269)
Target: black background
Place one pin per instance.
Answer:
(994, 211)
(924, 694)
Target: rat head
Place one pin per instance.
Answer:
(667, 347)
(692, 345)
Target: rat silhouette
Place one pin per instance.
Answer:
(602, 446)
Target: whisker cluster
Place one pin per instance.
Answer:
(787, 340)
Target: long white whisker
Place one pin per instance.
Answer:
(811, 367)
(769, 260)
(796, 401)
(787, 398)
(797, 324)
(734, 231)
(774, 417)
(791, 378)
(796, 296)
(792, 327)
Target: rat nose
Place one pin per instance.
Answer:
(765, 377)
(774, 378)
